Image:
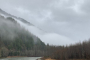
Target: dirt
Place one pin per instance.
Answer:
(59, 59)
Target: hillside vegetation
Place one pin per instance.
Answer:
(16, 41)
(78, 51)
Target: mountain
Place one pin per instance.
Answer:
(5, 14)
(23, 23)
(15, 40)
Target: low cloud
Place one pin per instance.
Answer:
(68, 18)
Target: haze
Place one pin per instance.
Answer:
(63, 21)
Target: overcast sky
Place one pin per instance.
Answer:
(65, 21)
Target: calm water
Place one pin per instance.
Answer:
(21, 58)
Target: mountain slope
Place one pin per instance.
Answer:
(16, 40)
(23, 23)
(5, 14)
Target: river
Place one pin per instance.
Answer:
(21, 58)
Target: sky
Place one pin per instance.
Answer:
(62, 21)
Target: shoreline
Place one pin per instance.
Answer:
(12, 57)
(15, 56)
(41, 58)
(59, 59)
(46, 59)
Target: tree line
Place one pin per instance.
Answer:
(76, 51)
(17, 41)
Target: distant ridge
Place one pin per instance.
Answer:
(18, 18)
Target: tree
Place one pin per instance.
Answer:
(4, 52)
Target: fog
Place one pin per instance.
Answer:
(7, 29)
(11, 29)
(59, 18)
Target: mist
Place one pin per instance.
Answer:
(10, 29)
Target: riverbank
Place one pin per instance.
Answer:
(59, 59)
(15, 56)
(12, 57)
(20, 58)
(46, 59)
(50, 59)
(69, 59)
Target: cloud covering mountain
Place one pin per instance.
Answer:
(65, 21)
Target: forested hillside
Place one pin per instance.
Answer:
(16, 41)
(78, 51)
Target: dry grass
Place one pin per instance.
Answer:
(50, 59)
(47, 59)
(69, 59)
(60, 59)
(79, 59)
